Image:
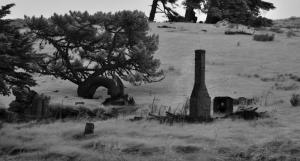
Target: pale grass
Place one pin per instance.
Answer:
(218, 140)
(60, 139)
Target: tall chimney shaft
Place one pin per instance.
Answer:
(200, 101)
(200, 68)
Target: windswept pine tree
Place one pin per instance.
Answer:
(90, 49)
(16, 55)
(170, 13)
(191, 6)
(245, 12)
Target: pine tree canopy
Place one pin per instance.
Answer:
(15, 54)
(245, 12)
(103, 44)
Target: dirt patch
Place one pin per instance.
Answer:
(95, 146)
(81, 136)
(203, 139)
(286, 87)
(226, 150)
(59, 156)
(274, 78)
(142, 149)
(11, 150)
(187, 149)
(165, 26)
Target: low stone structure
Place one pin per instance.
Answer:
(29, 103)
(223, 105)
(122, 100)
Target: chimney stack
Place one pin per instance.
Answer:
(200, 101)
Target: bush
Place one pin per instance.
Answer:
(260, 22)
(295, 100)
(293, 18)
(264, 37)
(277, 30)
(237, 33)
(290, 34)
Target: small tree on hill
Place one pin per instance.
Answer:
(245, 12)
(15, 55)
(104, 45)
(171, 14)
(191, 6)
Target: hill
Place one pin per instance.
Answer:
(292, 22)
(236, 66)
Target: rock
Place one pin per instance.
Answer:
(223, 23)
(79, 103)
(187, 149)
(123, 100)
(136, 118)
(89, 128)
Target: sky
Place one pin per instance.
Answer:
(284, 8)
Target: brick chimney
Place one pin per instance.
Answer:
(200, 101)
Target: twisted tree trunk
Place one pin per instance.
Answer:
(190, 15)
(214, 13)
(88, 88)
(153, 10)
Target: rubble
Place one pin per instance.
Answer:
(246, 113)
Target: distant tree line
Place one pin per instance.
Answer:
(245, 12)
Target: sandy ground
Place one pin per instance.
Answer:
(250, 69)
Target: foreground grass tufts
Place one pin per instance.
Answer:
(277, 149)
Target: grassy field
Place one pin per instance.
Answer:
(236, 66)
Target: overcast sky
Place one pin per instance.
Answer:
(285, 8)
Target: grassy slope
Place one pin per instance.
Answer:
(293, 22)
(230, 71)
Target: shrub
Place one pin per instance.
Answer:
(287, 87)
(293, 18)
(264, 37)
(290, 34)
(237, 33)
(260, 22)
(277, 30)
(295, 100)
